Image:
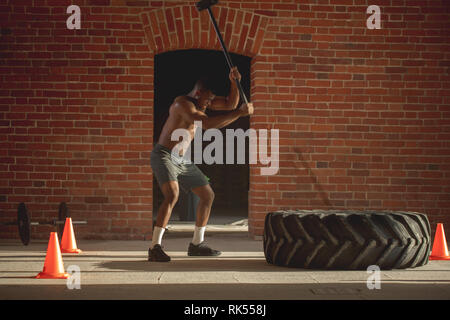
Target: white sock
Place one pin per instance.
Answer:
(157, 235)
(199, 234)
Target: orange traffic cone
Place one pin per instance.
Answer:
(53, 266)
(440, 250)
(68, 242)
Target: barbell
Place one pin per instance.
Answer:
(24, 223)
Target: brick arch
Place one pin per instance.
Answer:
(183, 27)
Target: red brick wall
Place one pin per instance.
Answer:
(77, 114)
(363, 114)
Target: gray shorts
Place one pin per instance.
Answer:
(166, 169)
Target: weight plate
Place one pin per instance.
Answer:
(63, 213)
(23, 223)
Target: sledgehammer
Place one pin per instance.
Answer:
(207, 4)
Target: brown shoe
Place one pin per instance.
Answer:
(157, 254)
(202, 250)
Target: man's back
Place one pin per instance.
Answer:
(176, 120)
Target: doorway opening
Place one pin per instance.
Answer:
(175, 74)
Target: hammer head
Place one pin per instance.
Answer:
(205, 4)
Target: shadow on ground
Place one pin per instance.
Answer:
(242, 264)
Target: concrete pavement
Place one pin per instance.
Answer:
(120, 270)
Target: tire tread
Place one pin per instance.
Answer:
(346, 239)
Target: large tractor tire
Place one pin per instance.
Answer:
(347, 240)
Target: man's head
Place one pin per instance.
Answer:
(203, 93)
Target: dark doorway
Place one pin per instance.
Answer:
(175, 74)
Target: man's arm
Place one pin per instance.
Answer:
(188, 111)
(231, 101)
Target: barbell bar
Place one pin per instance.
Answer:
(24, 223)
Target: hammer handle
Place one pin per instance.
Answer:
(225, 52)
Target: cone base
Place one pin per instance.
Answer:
(439, 258)
(43, 275)
(71, 251)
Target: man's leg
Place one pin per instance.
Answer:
(170, 192)
(206, 195)
(197, 247)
